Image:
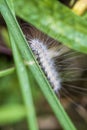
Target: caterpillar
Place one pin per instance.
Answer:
(62, 66)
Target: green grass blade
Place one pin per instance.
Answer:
(25, 86)
(11, 113)
(56, 20)
(34, 68)
(7, 72)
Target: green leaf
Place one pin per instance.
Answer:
(26, 52)
(56, 20)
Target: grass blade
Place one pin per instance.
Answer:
(25, 86)
(7, 72)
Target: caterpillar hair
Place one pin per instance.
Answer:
(62, 66)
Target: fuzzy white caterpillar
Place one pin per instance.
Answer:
(47, 64)
(61, 65)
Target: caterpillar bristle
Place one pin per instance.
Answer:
(61, 65)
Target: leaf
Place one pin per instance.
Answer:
(56, 20)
